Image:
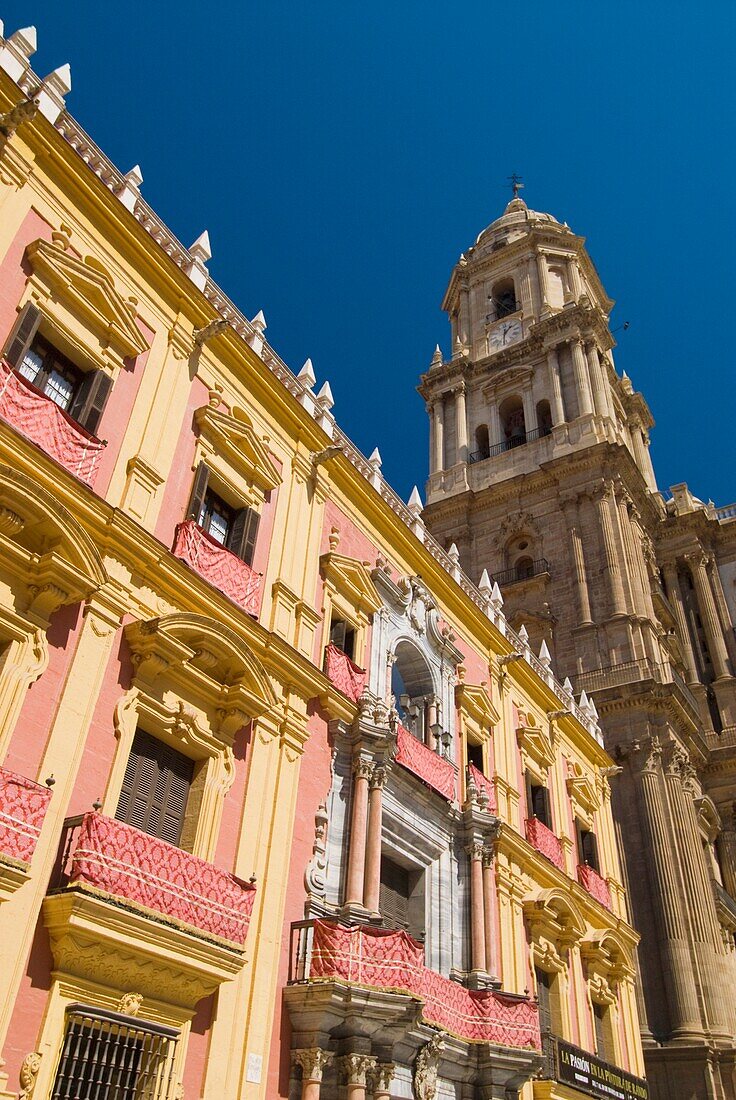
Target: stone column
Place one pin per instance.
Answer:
(640, 443)
(555, 387)
(632, 553)
(372, 885)
(709, 614)
(461, 424)
(572, 515)
(313, 1062)
(362, 771)
(530, 415)
(477, 920)
(596, 379)
(721, 605)
(602, 499)
(382, 1077)
(580, 369)
(665, 891)
(439, 435)
(357, 1068)
(432, 443)
(726, 844)
(495, 431)
(573, 276)
(488, 909)
(675, 597)
(543, 282)
(639, 542)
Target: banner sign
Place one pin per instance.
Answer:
(589, 1074)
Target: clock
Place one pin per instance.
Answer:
(503, 334)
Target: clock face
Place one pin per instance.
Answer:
(505, 333)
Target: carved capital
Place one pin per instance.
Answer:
(378, 777)
(382, 1077)
(646, 756)
(312, 1062)
(362, 769)
(357, 1067)
(475, 849)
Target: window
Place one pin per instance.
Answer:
(587, 846)
(537, 800)
(82, 394)
(544, 418)
(482, 444)
(503, 298)
(475, 756)
(602, 1024)
(342, 635)
(155, 788)
(401, 897)
(413, 690)
(109, 1056)
(549, 1007)
(513, 424)
(524, 569)
(234, 528)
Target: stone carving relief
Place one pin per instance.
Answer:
(28, 1075)
(130, 1004)
(315, 875)
(426, 1066)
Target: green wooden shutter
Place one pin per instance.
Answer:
(90, 399)
(196, 501)
(243, 534)
(23, 332)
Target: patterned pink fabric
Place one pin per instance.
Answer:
(39, 419)
(219, 566)
(484, 784)
(545, 841)
(437, 772)
(127, 863)
(393, 960)
(346, 676)
(595, 884)
(23, 806)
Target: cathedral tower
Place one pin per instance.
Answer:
(540, 474)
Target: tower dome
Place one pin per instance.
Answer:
(516, 221)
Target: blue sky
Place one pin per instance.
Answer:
(342, 155)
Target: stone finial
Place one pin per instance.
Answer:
(496, 597)
(25, 40)
(16, 51)
(583, 701)
(593, 710)
(307, 375)
(129, 190)
(567, 687)
(524, 634)
(325, 398)
(414, 503)
(544, 654)
(453, 553)
(54, 88)
(375, 458)
(259, 322)
(255, 338)
(375, 462)
(201, 250)
(484, 585)
(437, 357)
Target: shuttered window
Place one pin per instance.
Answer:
(587, 847)
(342, 635)
(155, 788)
(545, 1000)
(600, 1013)
(394, 893)
(236, 529)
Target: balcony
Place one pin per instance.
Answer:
(23, 806)
(364, 957)
(634, 672)
(483, 786)
(545, 842)
(585, 1072)
(509, 444)
(595, 884)
(434, 770)
(40, 420)
(343, 673)
(515, 576)
(126, 903)
(217, 565)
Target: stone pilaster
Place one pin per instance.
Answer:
(596, 379)
(571, 509)
(709, 614)
(603, 497)
(674, 594)
(461, 424)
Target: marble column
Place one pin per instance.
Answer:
(709, 614)
(555, 387)
(477, 920)
(675, 597)
(489, 898)
(439, 435)
(357, 1068)
(543, 281)
(382, 1078)
(362, 771)
(530, 413)
(313, 1062)
(461, 424)
(495, 431)
(602, 499)
(372, 884)
(582, 381)
(596, 379)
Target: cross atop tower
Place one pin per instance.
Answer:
(516, 183)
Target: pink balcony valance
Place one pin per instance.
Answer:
(394, 961)
(23, 806)
(545, 841)
(595, 884)
(482, 783)
(436, 772)
(39, 419)
(344, 674)
(219, 566)
(127, 863)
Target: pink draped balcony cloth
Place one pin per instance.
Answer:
(219, 566)
(482, 783)
(436, 772)
(127, 863)
(41, 420)
(595, 884)
(23, 806)
(344, 674)
(545, 841)
(394, 961)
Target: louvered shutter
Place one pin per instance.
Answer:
(337, 633)
(196, 501)
(23, 332)
(172, 792)
(155, 788)
(540, 805)
(590, 850)
(599, 1018)
(393, 895)
(543, 994)
(243, 534)
(90, 399)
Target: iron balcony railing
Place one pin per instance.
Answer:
(509, 444)
(521, 573)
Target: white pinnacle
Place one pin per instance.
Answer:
(201, 249)
(415, 501)
(484, 584)
(325, 397)
(307, 375)
(375, 458)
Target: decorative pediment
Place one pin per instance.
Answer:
(535, 744)
(352, 580)
(608, 959)
(554, 921)
(475, 700)
(87, 288)
(233, 439)
(581, 790)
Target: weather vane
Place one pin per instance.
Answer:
(516, 183)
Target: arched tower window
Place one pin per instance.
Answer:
(413, 691)
(482, 445)
(544, 418)
(512, 421)
(524, 568)
(503, 298)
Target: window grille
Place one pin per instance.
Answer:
(109, 1056)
